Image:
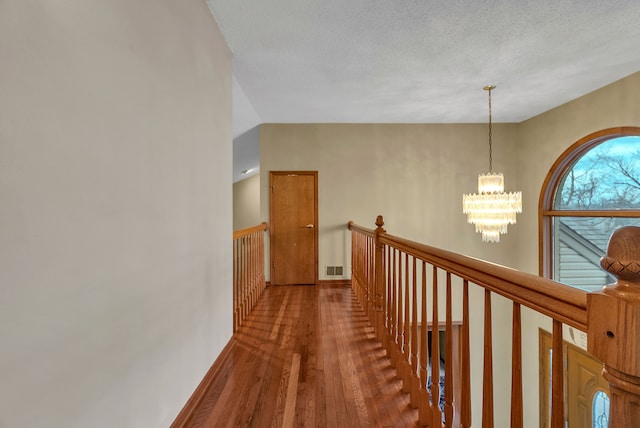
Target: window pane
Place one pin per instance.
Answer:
(600, 416)
(607, 177)
(580, 242)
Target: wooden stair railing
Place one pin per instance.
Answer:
(390, 277)
(248, 271)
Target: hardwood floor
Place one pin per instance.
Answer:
(306, 356)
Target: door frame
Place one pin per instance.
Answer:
(315, 219)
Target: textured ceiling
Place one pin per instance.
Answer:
(423, 61)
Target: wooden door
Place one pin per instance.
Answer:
(585, 389)
(586, 392)
(294, 227)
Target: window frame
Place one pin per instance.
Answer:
(546, 213)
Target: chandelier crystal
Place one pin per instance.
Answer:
(491, 209)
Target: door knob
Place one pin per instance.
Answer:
(309, 226)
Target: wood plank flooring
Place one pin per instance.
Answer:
(306, 357)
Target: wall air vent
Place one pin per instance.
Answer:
(334, 271)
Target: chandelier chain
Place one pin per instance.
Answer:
(490, 133)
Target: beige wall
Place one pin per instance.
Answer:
(542, 140)
(115, 182)
(415, 176)
(246, 203)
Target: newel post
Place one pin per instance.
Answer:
(379, 292)
(614, 326)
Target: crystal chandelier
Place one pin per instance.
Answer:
(491, 210)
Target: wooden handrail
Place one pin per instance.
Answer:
(556, 300)
(362, 230)
(249, 230)
(385, 277)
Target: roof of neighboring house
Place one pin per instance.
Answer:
(592, 232)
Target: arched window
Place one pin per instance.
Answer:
(591, 190)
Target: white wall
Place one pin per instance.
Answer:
(115, 213)
(542, 140)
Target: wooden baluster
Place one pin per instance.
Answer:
(465, 376)
(252, 272)
(414, 337)
(372, 282)
(388, 301)
(254, 268)
(371, 273)
(254, 262)
(261, 261)
(614, 319)
(361, 262)
(557, 377)
(354, 258)
(406, 345)
(424, 411)
(362, 272)
(243, 278)
(247, 279)
(391, 350)
(238, 290)
(359, 267)
(363, 275)
(448, 368)
(436, 413)
(354, 261)
(379, 293)
(254, 258)
(516, 369)
(487, 376)
(235, 285)
(247, 283)
(366, 279)
(400, 315)
(248, 271)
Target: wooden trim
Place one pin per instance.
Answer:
(591, 213)
(557, 377)
(186, 414)
(335, 282)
